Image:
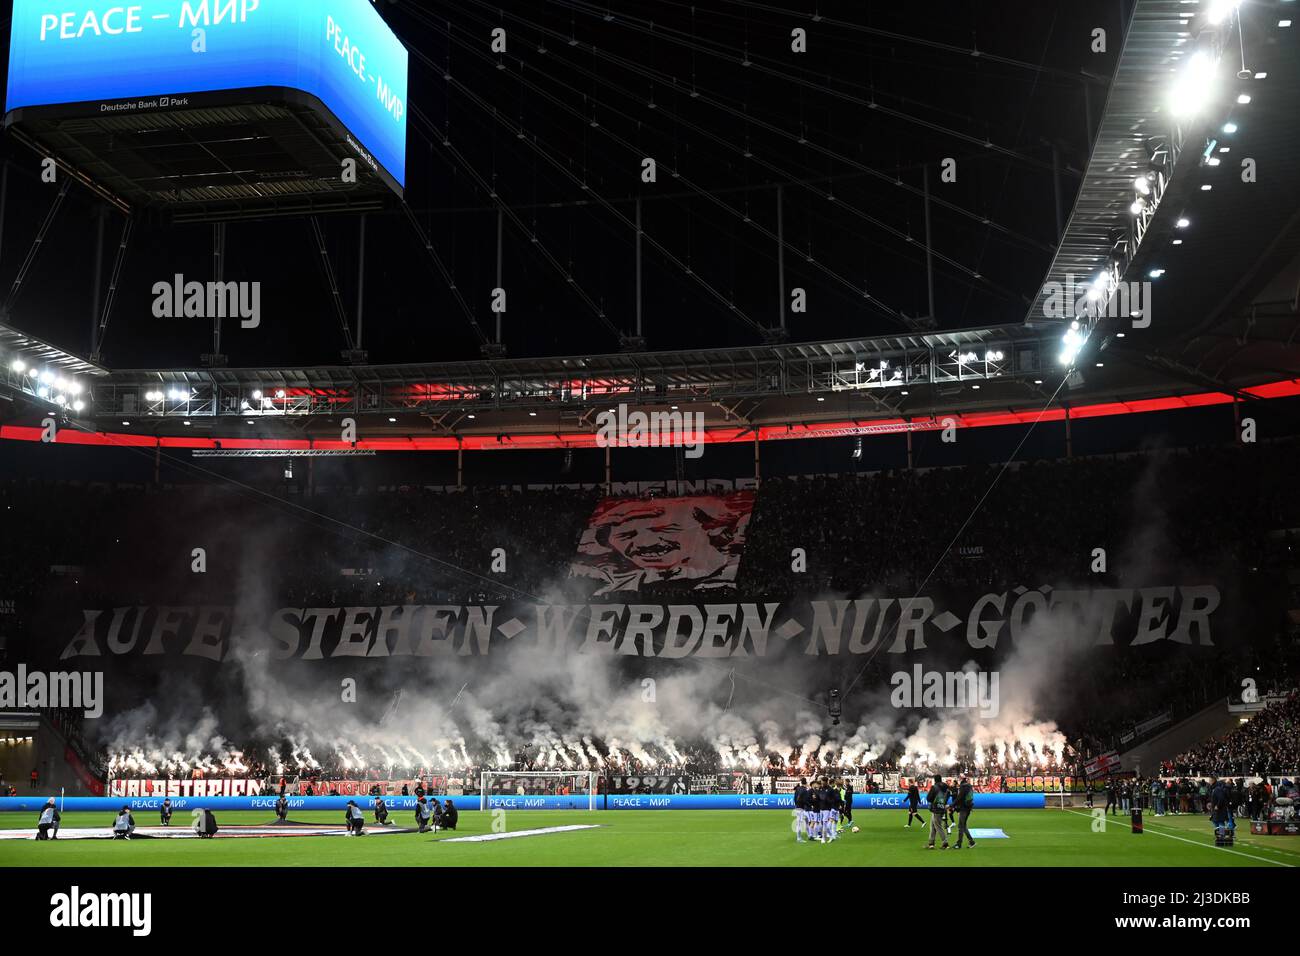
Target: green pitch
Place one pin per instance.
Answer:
(668, 838)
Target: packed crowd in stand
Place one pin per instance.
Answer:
(879, 531)
(103, 546)
(1041, 521)
(1268, 743)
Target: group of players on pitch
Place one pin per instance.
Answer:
(825, 810)
(822, 810)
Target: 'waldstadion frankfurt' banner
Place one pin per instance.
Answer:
(696, 540)
(106, 58)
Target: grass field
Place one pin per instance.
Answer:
(670, 838)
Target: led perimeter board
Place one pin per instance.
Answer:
(126, 65)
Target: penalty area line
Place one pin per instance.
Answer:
(1208, 846)
(489, 837)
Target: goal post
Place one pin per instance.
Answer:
(576, 789)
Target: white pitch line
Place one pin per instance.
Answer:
(488, 837)
(1210, 846)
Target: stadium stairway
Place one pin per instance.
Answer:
(46, 748)
(1214, 720)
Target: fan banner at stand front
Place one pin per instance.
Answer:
(696, 542)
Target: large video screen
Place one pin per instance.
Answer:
(107, 54)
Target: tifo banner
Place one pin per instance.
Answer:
(696, 540)
(1135, 616)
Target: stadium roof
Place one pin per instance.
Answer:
(1222, 316)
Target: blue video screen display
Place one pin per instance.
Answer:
(157, 51)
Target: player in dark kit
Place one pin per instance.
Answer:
(814, 800)
(830, 800)
(913, 805)
(800, 811)
(381, 812)
(165, 812)
(847, 810)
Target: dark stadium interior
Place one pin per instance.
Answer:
(389, 488)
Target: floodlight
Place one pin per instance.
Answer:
(1195, 86)
(1220, 10)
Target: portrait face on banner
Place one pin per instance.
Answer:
(696, 540)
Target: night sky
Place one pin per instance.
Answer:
(595, 89)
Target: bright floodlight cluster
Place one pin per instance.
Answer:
(171, 395)
(49, 385)
(1194, 93)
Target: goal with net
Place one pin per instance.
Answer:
(565, 789)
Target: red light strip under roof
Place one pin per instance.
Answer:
(1287, 388)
